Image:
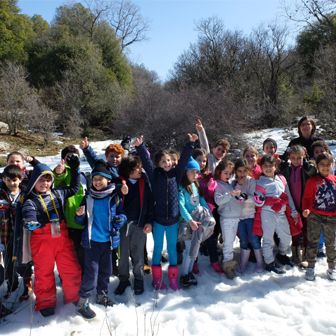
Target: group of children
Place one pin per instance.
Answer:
(84, 223)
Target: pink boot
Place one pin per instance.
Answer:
(157, 277)
(172, 275)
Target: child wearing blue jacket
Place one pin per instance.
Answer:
(102, 215)
(165, 182)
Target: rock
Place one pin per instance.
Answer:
(3, 127)
(4, 146)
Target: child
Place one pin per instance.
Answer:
(219, 151)
(207, 186)
(101, 212)
(270, 147)
(138, 206)
(113, 153)
(251, 154)
(197, 221)
(42, 213)
(229, 210)
(175, 157)
(164, 181)
(296, 175)
(10, 193)
(62, 178)
(272, 195)
(247, 184)
(319, 207)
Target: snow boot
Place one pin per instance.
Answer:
(4, 311)
(195, 268)
(47, 311)
(157, 277)
(284, 259)
(83, 309)
(260, 261)
(217, 267)
(274, 267)
(172, 275)
(104, 301)
(122, 287)
(296, 255)
(229, 269)
(244, 258)
(304, 263)
(310, 274)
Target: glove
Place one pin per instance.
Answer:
(31, 224)
(242, 197)
(258, 199)
(118, 221)
(115, 238)
(73, 161)
(4, 206)
(126, 142)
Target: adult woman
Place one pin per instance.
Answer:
(306, 130)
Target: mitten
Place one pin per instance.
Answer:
(242, 197)
(31, 224)
(118, 221)
(258, 199)
(73, 161)
(115, 238)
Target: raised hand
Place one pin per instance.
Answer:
(124, 188)
(199, 125)
(84, 144)
(28, 159)
(193, 137)
(60, 168)
(138, 141)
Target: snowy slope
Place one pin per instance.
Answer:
(252, 304)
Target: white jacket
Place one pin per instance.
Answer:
(248, 207)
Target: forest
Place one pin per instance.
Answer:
(73, 76)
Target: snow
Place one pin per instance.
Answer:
(251, 304)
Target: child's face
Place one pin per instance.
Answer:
(136, 173)
(269, 148)
(226, 174)
(219, 152)
(165, 162)
(43, 184)
(325, 167)
(15, 160)
(114, 159)
(12, 184)
(241, 173)
(306, 128)
(192, 175)
(174, 160)
(251, 158)
(318, 151)
(100, 182)
(268, 169)
(296, 159)
(202, 160)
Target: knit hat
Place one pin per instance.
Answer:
(193, 165)
(69, 149)
(101, 168)
(270, 140)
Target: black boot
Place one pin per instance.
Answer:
(47, 311)
(4, 311)
(138, 287)
(284, 259)
(122, 287)
(274, 267)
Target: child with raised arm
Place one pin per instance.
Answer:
(102, 215)
(165, 182)
(229, 209)
(219, 151)
(319, 207)
(272, 195)
(197, 222)
(42, 213)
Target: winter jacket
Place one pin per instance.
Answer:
(108, 207)
(208, 191)
(72, 203)
(228, 206)
(320, 195)
(92, 158)
(304, 143)
(248, 207)
(165, 185)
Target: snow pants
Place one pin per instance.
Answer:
(274, 222)
(47, 250)
(229, 228)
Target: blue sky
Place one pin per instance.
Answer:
(172, 24)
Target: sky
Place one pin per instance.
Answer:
(172, 24)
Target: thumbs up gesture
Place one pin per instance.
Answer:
(60, 168)
(124, 188)
(84, 144)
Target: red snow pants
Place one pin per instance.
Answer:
(47, 250)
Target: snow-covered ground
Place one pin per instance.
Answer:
(252, 304)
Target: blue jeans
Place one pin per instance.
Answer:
(320, 246)
(245, 232)
(171, 236)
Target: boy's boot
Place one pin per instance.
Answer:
(229, 269)
(260, 261)
(157, 277)
(244, 258)
(27, 289)
(296, 255)
(4, 311)
(331, 271)
(284, 259)
(172, 275)
(274, 267)
(83, 309)
(304, 263)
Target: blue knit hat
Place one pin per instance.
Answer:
(193, 165)
(101, 168)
